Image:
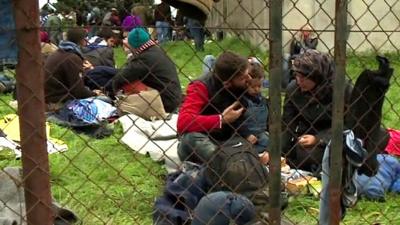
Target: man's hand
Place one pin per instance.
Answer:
(125, 46)
(232, 112)
(252, 139)
(307, 140)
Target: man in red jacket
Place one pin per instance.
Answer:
(211, 107)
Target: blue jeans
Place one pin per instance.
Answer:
(222, 208)
(324, 201)
(8, 45)
(163, 31)
(262, 142)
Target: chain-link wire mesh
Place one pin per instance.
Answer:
(158, 116)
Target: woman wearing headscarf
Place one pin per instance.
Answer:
(307, 112)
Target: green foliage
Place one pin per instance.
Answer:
(104, 181)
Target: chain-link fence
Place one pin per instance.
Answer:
(212, 112)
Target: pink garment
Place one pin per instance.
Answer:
(131, 22)
(393, 147)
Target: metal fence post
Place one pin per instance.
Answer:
(276, 73)
(335, 175)
(31, 114)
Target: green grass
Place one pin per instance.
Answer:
(104, 182)
(189, 62)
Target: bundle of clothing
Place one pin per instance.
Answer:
(10, 138)
(89, 116)
(157, 138)
(386, 180)
(12, 201)
(185, 201)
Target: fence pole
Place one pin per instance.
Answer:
(335, 175)
(275, 76)
(30, 97)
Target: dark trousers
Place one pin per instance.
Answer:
(197, 32)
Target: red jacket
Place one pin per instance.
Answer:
(190, 118)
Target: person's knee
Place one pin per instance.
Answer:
(195, 147)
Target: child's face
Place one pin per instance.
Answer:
(254, 87)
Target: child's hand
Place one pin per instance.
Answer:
(264, 158)
(252, 139)
(87, 65)
(98, 92)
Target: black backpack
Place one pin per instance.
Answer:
(236, 167)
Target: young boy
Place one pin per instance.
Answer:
(254, 125)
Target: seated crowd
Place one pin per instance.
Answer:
(77, 62)
(225, 102)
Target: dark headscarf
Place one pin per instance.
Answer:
(318, 67)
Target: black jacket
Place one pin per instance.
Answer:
(304, 113)
(156, 70)
(63, 71)
(220, 99)
(101, 56)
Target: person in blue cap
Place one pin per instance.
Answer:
(150, 65)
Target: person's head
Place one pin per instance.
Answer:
(257, 75)
(306, 31)
(232, 70)
(109, 36)
(313, 69)
(254, 87)
(114, 11)
(138, 37)
(77, 35)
